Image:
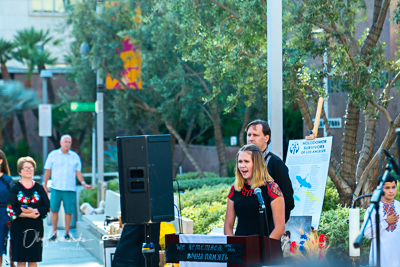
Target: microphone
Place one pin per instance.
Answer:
(257, 191)
(392, 161)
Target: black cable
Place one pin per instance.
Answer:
(354, 204)
(180, 208)
(179, 226)
(380, 161)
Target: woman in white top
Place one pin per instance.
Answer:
(389, 226)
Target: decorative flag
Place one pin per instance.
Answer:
(132, 60)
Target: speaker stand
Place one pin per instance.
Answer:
(148, 246)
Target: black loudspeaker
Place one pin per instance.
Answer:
(145, 178)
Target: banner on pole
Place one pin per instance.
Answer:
(132, 60)
(308, 163)
(45, 120)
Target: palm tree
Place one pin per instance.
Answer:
(15, 98)
(5, 54)
(31, 52)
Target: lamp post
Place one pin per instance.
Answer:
(84, 51)
(45, 114)
(101, 185)
(100, 136)
(274, 50)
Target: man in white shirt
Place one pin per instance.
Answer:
(63, 165)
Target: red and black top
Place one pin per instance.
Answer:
(247, 211)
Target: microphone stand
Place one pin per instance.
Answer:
(374, 203)
(148, 246)
(264, 218)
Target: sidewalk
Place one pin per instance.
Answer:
(64, 253)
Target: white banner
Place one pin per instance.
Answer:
(308, 163)
(44, 120)
(202, 239)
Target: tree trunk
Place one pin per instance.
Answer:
(153, 127)
(9, 131)
(187, 142)
(50, 88)
(387, 142)
(55, 140)
(349, 141)
(216, 120)
(367, 150)
(304, 110)
(1, 138)
(343, 189)
(243, 129)
(334, 167)
(184, 147)
(219, 142)
(4, 72)
(173, 141)
(375, 29)
(21, 120)
(75, 144)
(28, 83)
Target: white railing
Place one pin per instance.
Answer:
(108, 174)
(39, 177)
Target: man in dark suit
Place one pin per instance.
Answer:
(259, 133)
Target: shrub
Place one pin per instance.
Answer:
(205, 203)
(206, 194)
(334, 224)
(21, 149)
(206, 216)
(195, 175)
(206, 207)
(191, 184)
(231, 168)
(89, 196)
(113, 185)
(331, 198)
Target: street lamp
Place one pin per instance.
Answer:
(275, 98)
(45, 113)
(84, 51)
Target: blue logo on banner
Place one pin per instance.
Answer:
(294, 148)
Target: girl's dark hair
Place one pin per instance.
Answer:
(4, 165)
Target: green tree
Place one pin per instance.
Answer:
(169, 96)
(30, 50)
(6, 48)
(228, 38)
(15, 98)
(357, 64)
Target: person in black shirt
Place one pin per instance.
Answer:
(259, 133)
(242, 203)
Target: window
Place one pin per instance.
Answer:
(50, 6)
